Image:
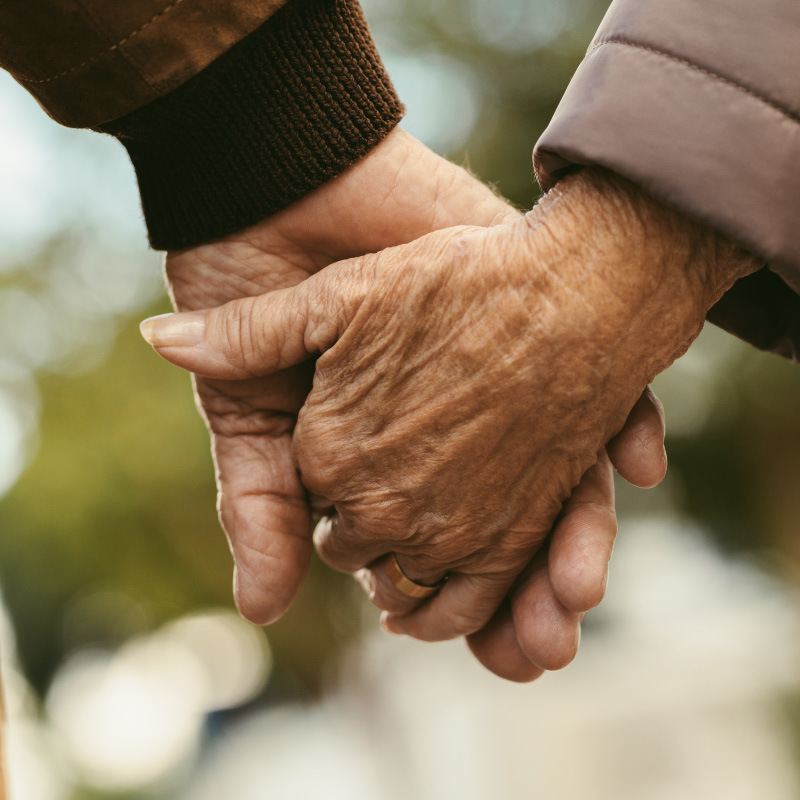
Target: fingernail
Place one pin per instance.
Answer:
(174, 330)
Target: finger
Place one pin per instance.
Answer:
(583, 540)
(238, 402)
(548, 633)
(263, 511)
(577, 570)
(467, 602)
(382, 592)
(261, 335)
(339, 547)
(463, 606)
(496, 648)
(637, 452)
(344, 546)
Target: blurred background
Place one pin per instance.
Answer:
(128, 674)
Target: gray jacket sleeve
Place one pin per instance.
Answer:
(698, 101)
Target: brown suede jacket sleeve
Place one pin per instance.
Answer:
(91, 61)
(230, 109)
(698, 101)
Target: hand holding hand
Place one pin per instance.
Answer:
(401, 190)
(468, 380)
(537, 627)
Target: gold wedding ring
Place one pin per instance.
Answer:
(404, 584)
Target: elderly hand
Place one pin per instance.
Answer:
(468, 380)
(398, 192)
(537, 627)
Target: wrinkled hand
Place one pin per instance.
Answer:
(398, 192)
(537, 627)
(467, 382)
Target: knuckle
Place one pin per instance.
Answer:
(236, 335)
(462, 244)
(426, 568)
(313, 449)
(332, 549)
(318, 477)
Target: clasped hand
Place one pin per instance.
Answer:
(461, 402)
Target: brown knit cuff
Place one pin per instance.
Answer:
(285, 110)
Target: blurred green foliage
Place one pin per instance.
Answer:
(739, 473)
(112, 528)
(520, 56)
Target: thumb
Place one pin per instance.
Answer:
(256, 336)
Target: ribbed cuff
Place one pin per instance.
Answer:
(282, 112)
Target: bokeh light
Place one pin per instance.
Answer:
(445, 106)
(12, 444)
(130, 718)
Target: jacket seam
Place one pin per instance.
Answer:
(741, 87)
(114, 47)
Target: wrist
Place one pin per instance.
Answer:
(642, 246)
(648, 273)
(627, 283)
(398, 192)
